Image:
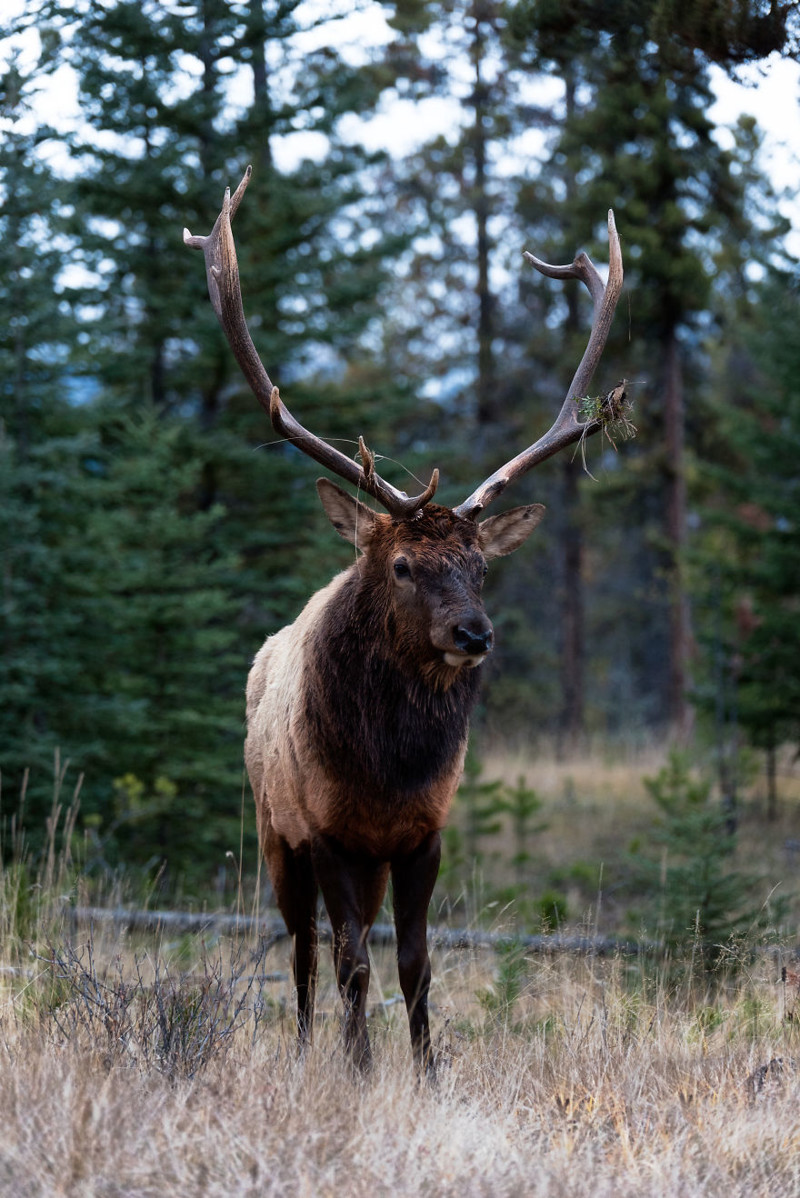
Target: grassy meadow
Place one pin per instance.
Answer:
(144, 1065)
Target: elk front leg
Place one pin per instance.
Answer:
(413, 879)
(353, 888)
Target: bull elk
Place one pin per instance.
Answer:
(358, 712)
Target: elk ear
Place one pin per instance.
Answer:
(503, 534)
(351, 519)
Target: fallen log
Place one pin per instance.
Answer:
(273, 928)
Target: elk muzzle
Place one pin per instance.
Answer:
(472, 641)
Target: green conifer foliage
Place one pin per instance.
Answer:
(748, 562)
(38, 438)
(697, 890)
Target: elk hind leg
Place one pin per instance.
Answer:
(292, 876)
(413, 879)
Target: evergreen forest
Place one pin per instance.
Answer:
(153, 531)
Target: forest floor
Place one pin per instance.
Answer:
(132, 1065)
(596, 825)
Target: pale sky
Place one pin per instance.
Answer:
(772, 95)
(770, 92)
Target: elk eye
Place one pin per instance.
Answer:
(485, 569)
(401, 568)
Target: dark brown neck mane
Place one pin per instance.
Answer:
(374, 720)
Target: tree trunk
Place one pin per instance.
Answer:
(572, 639)
(680, 713)
(261, 97)
(772, 782)
(485, 389)
(571, 722)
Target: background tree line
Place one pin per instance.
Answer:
(151, 539)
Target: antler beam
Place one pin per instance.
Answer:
(568, 428)
(224, 289)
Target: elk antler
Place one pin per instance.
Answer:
(222, 272)
(568, 428)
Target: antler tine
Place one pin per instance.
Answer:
(567, 428)
(222, 273)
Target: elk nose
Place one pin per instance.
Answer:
(472, 641)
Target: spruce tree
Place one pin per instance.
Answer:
(637, 138)
(747, 563)
(39, 438)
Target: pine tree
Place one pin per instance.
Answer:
(38, 440)
(465, 307)
(697, 894)
(162, 682)
(636, 136)
(748, 560)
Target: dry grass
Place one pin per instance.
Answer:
(160, 1069)
(597, 1079)
(594, 806)
(590, 806)
(613, 775)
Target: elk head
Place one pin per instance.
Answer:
(427, 573)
